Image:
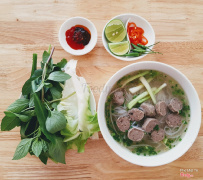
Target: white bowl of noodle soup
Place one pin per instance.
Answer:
(193, 125)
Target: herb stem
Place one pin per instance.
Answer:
(61, 99)
(28, 109)
(33, 132)
(47, 106)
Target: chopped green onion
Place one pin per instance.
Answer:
(134, 77)
(146, 84)
(134, 101)
(154, 92)
(139, 87)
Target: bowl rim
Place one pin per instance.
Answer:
(78, 52)
(163, 158)
(125, 58)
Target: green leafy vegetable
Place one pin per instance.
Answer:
(43, 126)
(22, 117)
(42, 115)
(58, 76)
(37, 147)
(9, 123)
(55, 122)
(57, 150)
(18, 105)
(22, 148)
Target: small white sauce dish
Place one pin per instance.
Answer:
(193, 125)
(77, 21)
(140, 22)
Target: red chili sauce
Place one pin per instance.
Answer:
(78, 36)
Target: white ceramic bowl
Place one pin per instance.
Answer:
(140, 22)
(193, 126)
(77, 21)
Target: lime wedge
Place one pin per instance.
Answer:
(115, 31)
(119, 48)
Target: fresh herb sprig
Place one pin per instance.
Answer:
(36, 114)
(140, 49)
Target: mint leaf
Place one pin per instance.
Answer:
(42, 114)
(9, 122)
(57, 150)
(44, 146)
(56, 94)
(23, 129)
(40, 86)
(22, 148)
(45, 57)
(59, 76)
(27, 86)
(37, 147)
(55, 122)
(31, 102)
(36, 74)
(29, 112)
(18, 105)
(62, 63)
(26, 89)
(22, 117)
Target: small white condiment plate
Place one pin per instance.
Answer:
(77, 21)
(140, 22)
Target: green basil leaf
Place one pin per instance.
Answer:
(18, 105)
(55, 122)
(36, 74)
(22, 117)
(42, 115)
(22, 148)
(23, 129)
(43, 157)
(55, 104)
(48, 85)
(39, 87)
(44, 146)
(57, 150)
(45, 57)
(9, 122)
(37, 147)
(26, 89)
(31, 102)
(27, 86)
(62, 63)
(56, 94)
(59, 76)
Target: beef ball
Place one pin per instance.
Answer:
(148, 109)
(135, 134)
(123, 123)
(161, 108)
(158, 135)
(173, 120)
(175, 105)
(136, 114)
(118, 98)
(149, 124)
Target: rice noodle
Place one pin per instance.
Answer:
(172, 131)
(112, 119)
(114, 91)
(138, 145)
